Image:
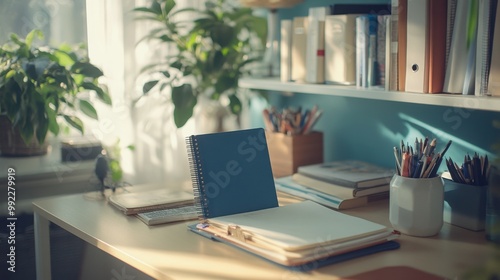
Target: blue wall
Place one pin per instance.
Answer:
(368, 130)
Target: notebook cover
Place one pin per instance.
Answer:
(231, 172)
(389, 245)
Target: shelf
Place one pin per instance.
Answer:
(486, 103)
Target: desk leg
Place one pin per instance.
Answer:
(42, 247)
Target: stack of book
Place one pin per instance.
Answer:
(339, 184)
(156, 206)
(325, 46)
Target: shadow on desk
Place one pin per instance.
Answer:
(66, 251)
(395, 273)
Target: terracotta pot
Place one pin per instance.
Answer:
(12, 144)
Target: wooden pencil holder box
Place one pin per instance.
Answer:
(464, 205)
(288, 152)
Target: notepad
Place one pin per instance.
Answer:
(231, 172)
(150, 200)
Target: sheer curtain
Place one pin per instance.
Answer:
(113, 35)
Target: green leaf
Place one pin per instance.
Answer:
(148, 86)
(183, 96)
(116, 170)
(64, 58)
(156, 7)
(235, 104)
(51, 116)
(225, 82)
(182, 115)
(88, 109)
(184, 101)
(103, 95)
(42, 127)
(27, 132)
(131, 147)
(222, 35)
(177, 65)
(169, 5)
(144, 10)
(31, 36)
(74, 122)
(86, 69)
(215, 61)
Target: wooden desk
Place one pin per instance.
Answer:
(173, 252)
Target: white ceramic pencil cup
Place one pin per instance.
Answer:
(416, 205)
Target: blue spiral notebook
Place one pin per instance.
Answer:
(231, 172)
(236, 200)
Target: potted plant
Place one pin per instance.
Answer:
(38, 86)
(210, 53)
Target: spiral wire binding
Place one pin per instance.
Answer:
(197, 178)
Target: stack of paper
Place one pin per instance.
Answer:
(289, 236)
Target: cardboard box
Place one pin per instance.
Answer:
(464, 205)
(288, 152)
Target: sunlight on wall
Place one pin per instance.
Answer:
(420, 130)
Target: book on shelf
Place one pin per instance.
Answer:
(349, 173)
(339, 202)
(338, 190)
(485, 26)
(340, 49)
(437, 45)
(299, 47)
(169, 215)
(150, 200)
(383, 52)
(456, 64)
(236, 200)
(315, 48)
(286, 50)
(362, 41)
(402, 32)
(494, 74)
(470, 70)
(350, 8)
(370, 50)
(392, 64)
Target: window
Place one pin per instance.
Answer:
(62, 21)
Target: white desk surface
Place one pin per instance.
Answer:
(171, 251)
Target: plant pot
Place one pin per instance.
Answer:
(12, 144)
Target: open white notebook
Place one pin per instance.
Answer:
(297, 233)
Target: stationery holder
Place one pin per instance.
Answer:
(288, 152)
(416, 205)
(464, 205)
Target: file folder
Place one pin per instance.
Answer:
(417, 46)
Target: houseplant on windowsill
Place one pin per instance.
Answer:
(39, 85)
(212, 49)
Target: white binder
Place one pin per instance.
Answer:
(417, 46)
